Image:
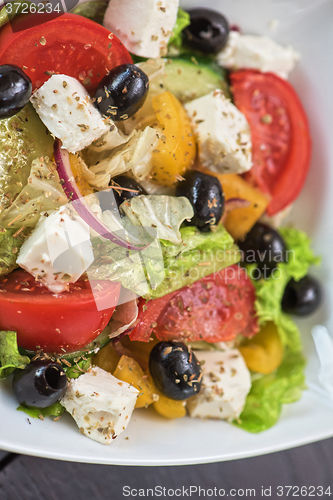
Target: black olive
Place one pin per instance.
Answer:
(301, 297)
(265, 247)
(208, 31)
(206, 196)
(15, 90)
(122, 92)
(41, 383)
(175, 370)
(107, 200)
(128, 183)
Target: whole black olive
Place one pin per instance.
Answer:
(208, 31)
(265, 247)
(301, 297)
(107, 200)
(175, 370)
(122, 92)
(41, 383)
(206, 196)
(15, 90)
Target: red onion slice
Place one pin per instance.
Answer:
(73, 193)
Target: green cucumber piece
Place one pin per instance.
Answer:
(191, 77)
(88, 350)
(23, 138)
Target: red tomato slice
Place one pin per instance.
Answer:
(58, 323)
(69, 44)
(215, 309)
(280, 135)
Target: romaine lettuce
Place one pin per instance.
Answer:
(183, 20)
(269, 292)
(10, 244)
(41, 193)
(54, 410)
(269, 392)
(285, 385)
(199, 255)
(10, 358)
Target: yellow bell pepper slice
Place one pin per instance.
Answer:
(176, 149)
(106, 358)
(264, 352)
(128, 370)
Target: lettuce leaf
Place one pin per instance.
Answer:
(285, 385)
(177, 257)
(183, 20)
(10, 358)
(199, 255)
(269, 292)
(134, 154)
(10, 244)
(42, 192)
(164, 214)
(269, 392)
(54, 410)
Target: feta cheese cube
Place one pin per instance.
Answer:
(65, 108)
(100, 404)
(58, 251)
(144, 27)
(257, 52)
(225, 384)
(223, 133)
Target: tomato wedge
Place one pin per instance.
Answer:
(59, 323)
(69, 44)
(215, 309)
(281, 143)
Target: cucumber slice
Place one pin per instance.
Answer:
(92, 348)
(191, 77)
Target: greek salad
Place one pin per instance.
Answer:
(149, 156)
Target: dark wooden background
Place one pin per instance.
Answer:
(30, 478)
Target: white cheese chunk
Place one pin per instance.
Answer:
(144, 27)
(100, 404)
(65, 108)
(58, 251)
(223, 133)
(225, 384)
(257, 52)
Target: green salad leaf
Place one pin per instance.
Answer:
(42, 192)
(164, 214)
(285, 385)
(269, 292)
(23, 138)
(93, 10)
(183, 20)
(199, 255)
(10, 358)
(54, 410)
(78, 368)
(269, 392)
(10, 243)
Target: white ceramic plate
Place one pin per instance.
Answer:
(151, 440)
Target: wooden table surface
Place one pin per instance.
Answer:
(30, 478)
